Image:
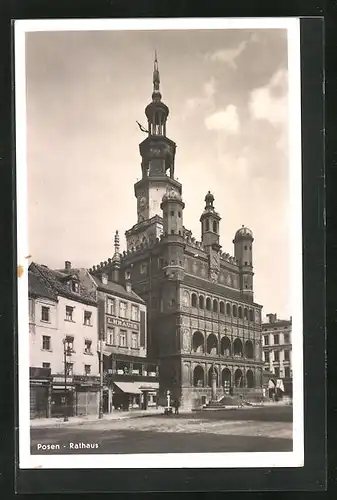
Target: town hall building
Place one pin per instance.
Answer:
(203, 323)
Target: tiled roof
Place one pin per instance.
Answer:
(54, 281)
(37, 287)
(117, 289)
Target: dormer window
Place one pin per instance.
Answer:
(75, 286)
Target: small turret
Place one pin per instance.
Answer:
(210, 220)
(243, 251)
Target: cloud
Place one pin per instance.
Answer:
(227, 119)
(206, 99)
(270, 102)
(229, 56)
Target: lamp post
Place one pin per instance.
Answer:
(100, 414)
(66, 352)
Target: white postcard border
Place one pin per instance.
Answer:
(169, 460)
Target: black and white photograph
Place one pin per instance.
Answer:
(160, 243)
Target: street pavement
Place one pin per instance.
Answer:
(236, 430)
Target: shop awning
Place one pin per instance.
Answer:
(148, 386)
(128, 387)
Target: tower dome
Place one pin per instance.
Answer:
(243, 232)
(172, 194)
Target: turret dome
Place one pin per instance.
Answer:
(172, 194)
(244, 232)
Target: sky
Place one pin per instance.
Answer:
(227, 94)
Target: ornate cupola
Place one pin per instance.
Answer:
(210, 222)
(158, 155)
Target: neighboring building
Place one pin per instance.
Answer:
(277, 349)
(130, 378)
(201, 311)
(63, 320)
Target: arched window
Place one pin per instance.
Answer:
(250, 378)
(251, 315)
(249, 349)
(212, 344)
(225, 347)
(237, 347)
(215, 227)
(198, 376)
(228, 309)
(194, 300)
(234, 312)
(222, 307)
(238, 377)
(226, 377)
(201, 302)
(208, 304)
(246, 313)
(206, 225)
(198, 342)
(215, 306)
(240, 312)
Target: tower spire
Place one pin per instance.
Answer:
(156, 78)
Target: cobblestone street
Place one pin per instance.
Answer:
(258, 429)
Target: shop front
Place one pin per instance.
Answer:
(126, 396)
(40, 390)
(62, 397)
(87, 394)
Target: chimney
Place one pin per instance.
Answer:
(104, 278)
(272, 317)
(67, 265)
(128, 286)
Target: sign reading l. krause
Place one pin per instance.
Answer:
(123, 322)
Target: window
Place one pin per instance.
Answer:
(46, 345)
(208, 304)
(45, 313)
(276, 356)
(75, 286)
(215, 227)
(194, 300)
(69, 369)
(87, 318)
(87, 346)
(276, 339)
(286, 355)
(134, 340)
(245, 247)
(110, 336)
(246, 263)
(234, 312)
(277, 372)
(222, 307)
(228, 309)
(69, 313)
(287, 372)
(179, 214)
(111, 303)
(201, 302)
(122, 309)
(172, 213)
(286, 338)
(266, 340)
(134, 313)
(207, 225)
(45, 365)
(87, 369)
(122, 338)
(266, 356)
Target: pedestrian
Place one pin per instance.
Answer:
(241, 401)
(176, 407)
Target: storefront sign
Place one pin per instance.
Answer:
(123, 322)
(61, 380)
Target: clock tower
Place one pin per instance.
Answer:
(210, 220)
(158, 155)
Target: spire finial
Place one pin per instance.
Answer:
(156, 77)
(116, 242)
